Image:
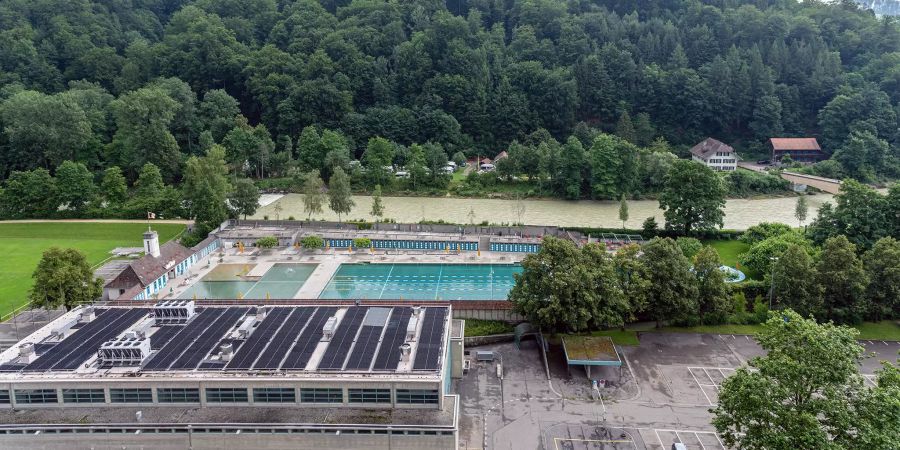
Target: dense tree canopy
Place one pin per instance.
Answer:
(129, 84)
(806, 392)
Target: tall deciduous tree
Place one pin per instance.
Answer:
(377, 206)
(113, 187)
(77, 185)
(30, 194)
(843, 280)
(340, 198)
(794, 282)
(377, 160)
(623, 211)
(712, 294)
(693, 198)
(882, 263)
(801, 210)
(564, 288)
(43, 128)
(613, 163)
(244, 197)
(64, 278)
(806, 392)
(313, 191)
(206, 187)
(672, 290)
(142, 134)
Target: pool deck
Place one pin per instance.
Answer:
(328, 263)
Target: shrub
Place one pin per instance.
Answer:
(763, 231)
(312, 242)
(689, 246)
(267, 242)
(362, 242)
(479, 327)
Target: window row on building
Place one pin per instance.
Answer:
(409, 244)
(179, 268)
(223, 395)
(518, 248)
(220, 430)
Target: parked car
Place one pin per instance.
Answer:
(764, 162)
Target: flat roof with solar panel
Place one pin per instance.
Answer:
(179, 342)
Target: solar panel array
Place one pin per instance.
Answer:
(364, 350)
(366, 338)
(176, 346)
(337, 350)
(207, 340)
(84, 342)
(428, 354)
(394, 335)
(259, 339)
(271, 357)
(163, 335)
(299, 355)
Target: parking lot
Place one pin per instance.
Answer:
(661, 395)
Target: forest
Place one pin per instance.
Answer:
(298, 86)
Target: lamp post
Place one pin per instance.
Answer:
(774, 260)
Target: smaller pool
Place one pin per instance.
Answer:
(228, 281)
(732, 275)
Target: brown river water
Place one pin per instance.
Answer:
(739, 213)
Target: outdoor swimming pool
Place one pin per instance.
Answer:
(421, 281)
(230, 281)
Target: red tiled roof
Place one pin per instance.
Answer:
(795, 144)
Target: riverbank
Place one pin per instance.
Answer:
(740, 214)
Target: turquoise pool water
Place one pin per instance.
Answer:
(421, 281)
(280, 281)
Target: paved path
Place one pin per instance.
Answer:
(185, 222)
(320, 277)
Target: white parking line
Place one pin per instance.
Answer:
(694, 432)
(701, 389)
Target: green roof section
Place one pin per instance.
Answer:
(590, 351)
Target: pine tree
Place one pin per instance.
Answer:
(625, 129)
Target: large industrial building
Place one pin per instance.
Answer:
(180, 375)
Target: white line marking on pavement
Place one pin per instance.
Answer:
(701, 389)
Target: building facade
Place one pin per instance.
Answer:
(715, 155)
(380, 373)
(804, 150)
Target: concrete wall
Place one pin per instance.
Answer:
(829, 185)
(230, 440)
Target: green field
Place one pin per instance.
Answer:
(23, 244)
(729, 250)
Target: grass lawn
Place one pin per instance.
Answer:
(728, 250)
(886, 330)
(627, 337)
(23, 244)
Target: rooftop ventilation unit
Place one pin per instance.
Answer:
(328, 329)
(244, 330)
(124, 351)
(63, 330)
(173, 311)
(26, 353)
(412, 328)
(226, 352)
(87, 315)
(405, 351)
